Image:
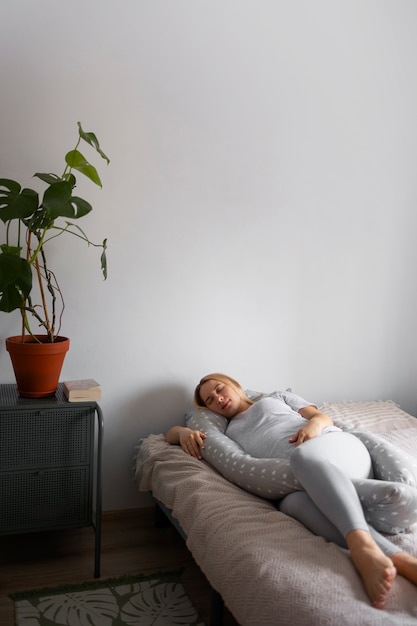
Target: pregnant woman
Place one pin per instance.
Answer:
(323, 459)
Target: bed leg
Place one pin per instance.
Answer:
(217, 606)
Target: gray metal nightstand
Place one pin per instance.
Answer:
(50, 464)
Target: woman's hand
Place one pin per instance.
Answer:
(191, 441)
(309, 431)
(316, 422)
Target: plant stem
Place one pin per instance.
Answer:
(44, 304)
(23, 309)
(52, 288)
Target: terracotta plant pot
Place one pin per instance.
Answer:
(37, 366)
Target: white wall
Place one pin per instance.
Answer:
(260, 203)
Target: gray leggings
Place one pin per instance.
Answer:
(330, 468)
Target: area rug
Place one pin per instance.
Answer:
(156, 600)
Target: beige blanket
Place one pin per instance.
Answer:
(269, 569)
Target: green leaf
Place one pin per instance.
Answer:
(16, 203)
(91, 139)
(78, 162)
(15, 281)
(11, 185)
(41, 220)
(48, 178)
(16, 250)
(103, 260)
(70, 178)
(58, 202)
(81, 207)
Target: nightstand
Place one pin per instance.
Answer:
(50, 464)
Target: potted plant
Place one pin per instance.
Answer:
(31, 223)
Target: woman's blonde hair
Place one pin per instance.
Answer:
(222, 378)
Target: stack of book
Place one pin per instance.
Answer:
(82, 390)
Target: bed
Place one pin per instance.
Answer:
(268, 568)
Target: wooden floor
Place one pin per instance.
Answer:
(131, 543)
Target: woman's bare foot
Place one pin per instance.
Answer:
(406, 566)
(376, 570)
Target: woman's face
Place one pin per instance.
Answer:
(222, 398)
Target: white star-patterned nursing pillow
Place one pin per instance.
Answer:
(272, 479)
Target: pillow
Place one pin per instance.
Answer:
(389, 462)
(388, 506)
(272, 479)
(267, 478)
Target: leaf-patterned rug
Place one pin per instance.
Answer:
(156, 600)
